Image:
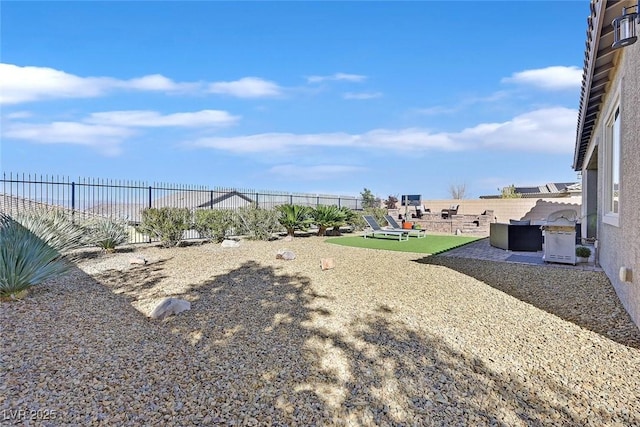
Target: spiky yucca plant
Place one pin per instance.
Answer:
(25, 259)
(107, 233)
(54, 227)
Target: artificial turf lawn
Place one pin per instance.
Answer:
(432, 244)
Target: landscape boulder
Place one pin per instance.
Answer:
(230, 243)
(169, 306)
(327, 263)
(138, 260)
(286, 255)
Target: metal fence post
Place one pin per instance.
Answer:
(73, 201)
(149, 197)
(211, 198)
(257, 196)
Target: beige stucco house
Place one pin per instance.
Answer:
(607, 151)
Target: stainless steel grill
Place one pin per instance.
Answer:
(559, 233)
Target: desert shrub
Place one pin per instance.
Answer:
(294, 217)
(583, 251)
(214, 224)
(107, 233)
(378, 213)
(166, 224)
(26, 259)
(326, 217)
(257, 223)
(55, 227)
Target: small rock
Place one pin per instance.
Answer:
(288, 238)
(286, 255)
(169, 306)
(327, 263)
(230, 243)
(138, 260)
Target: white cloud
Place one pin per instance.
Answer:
(27, 84)
(550, 130)
(546, 130)
(247, 87)
(314, 172)
(106, 139)
(463, 104)
(362, 95)
(19, 115)
(138, 118)
(24, 84)
(549, 78)
(337, 77)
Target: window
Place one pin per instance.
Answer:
(612, 167)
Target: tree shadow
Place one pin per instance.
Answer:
(137, 282)
(260, 347)
(587, 299)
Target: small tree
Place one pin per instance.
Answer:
(327, 216)
(509, 192)
(458, 191)
(391, 202)
(369, 200)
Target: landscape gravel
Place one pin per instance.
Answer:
(384, 338)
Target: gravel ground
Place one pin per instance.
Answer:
(385, 338)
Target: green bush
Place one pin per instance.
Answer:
(26, 259)
(107, 233)
(214, 224)
(166, 224)
(583, 251)
(378, 213)
(257, 223)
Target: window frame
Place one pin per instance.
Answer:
(612, 134)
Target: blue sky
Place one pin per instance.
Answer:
(319, 97)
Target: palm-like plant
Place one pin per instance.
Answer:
(25, 259)
(327, 216)
(294, 217)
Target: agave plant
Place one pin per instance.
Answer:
(25, 259)
(294, 217)
(54, 227)
(107, 233)
(327, 216)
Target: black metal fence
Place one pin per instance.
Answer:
(122, 199)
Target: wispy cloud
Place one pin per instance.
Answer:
(362, 95)
(310, 173)
(546, 130)
(549, 78)
(107, 131)
(28, 84)
(143, 118)
(337, 77)
(248, 87)
(105, 139)
(463, 104)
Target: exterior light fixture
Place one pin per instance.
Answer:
(624, 27)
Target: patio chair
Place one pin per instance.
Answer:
(448, 213)
(402, 235)
(412, 232)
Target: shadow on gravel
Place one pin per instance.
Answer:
(585, 298)
(255, 350)
(137, 282)
(262, 353)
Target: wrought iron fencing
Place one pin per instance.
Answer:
(86, 198)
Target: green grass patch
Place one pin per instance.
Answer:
(432, 244)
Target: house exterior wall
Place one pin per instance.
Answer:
(619, 246)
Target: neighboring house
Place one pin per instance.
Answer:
(607, 151)
(552, 189)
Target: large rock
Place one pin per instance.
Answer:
(169, 306)
(286, 255)
(230, 243)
